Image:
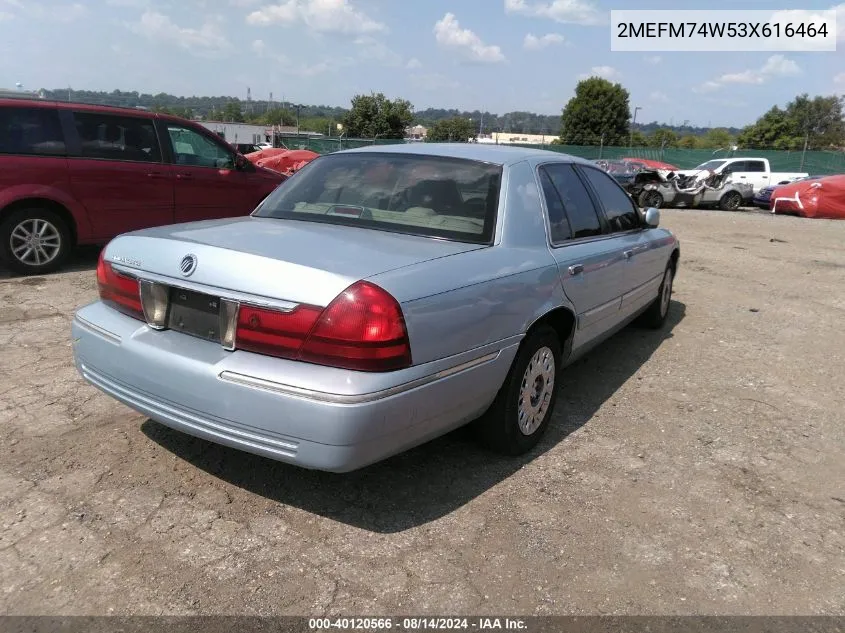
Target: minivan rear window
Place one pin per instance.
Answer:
(435, 196)
(31, 131)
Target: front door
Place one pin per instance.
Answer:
(207, 184)
(116, 171)
(590, 262)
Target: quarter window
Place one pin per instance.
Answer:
(755, 165)
(558, 224)
(576, 202)
(190, 148)
(619, 209)
(31, 131)
(117, 138)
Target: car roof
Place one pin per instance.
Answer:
(497, 154)
(16, 102)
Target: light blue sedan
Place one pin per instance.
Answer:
(379, 298)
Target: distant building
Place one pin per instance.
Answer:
(242, 133)
(6, 93)
(416, 133)
(511, 138)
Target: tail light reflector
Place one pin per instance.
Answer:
(118, 290)
(361, 329)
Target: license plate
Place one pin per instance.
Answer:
(195, 313)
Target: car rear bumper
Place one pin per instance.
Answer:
(311, 416)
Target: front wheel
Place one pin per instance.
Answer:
(34, 241)
(521, 412)
(651, 199)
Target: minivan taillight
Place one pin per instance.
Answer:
(119, 291)
(361, 329)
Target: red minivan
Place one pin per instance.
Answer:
(81, 174)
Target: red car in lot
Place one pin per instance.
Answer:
(81, 174)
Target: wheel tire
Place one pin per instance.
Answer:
(499, 428)
(730, 201)
(650, 198)
(655, 316)
(54, 231)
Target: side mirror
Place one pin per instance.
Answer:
(652, 217)
(242, 163)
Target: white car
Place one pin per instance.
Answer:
(753, 171)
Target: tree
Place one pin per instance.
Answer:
(232, 112)
(457, 129)
(599, 108)
(663, 138)
(278, 116)
(638, 139)
(717, 138)
(688, 142)
(817, 121)
(376, 116)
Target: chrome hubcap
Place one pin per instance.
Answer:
(535, 392)
(667, 292)
(35, 242)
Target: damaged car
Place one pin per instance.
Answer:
(661, 188)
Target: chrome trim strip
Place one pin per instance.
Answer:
(222, 293)
(96, 329)
(338, 398)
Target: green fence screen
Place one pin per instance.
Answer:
(817, 163)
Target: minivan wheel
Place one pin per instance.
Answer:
(34, 241)
(520, 414)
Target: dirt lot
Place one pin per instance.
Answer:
(700, 470)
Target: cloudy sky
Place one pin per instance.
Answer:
(498, 55)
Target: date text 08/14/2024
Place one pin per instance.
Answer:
(417, 624)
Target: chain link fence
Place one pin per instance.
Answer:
(812, 162)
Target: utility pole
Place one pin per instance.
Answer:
(806, 142)
(601, 145)
(633, 123)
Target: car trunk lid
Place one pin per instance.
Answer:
(286, 260)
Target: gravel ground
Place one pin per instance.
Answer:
(695, 471)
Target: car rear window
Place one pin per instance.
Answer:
(448, 198)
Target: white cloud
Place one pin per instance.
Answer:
(258, 47)
(434, 82)
(413, 63)
(775, 66)
(322, 16)
(565, 11)
(450, 35)
(373, 50)
(532, 42)
(66, 12)
(659, 97)
(286, 65)
(605, 72)
(207, 40)
(653, 59)
(839, 79)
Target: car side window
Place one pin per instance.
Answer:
(733, 168)
(111, 137)
(190, 148)
(755, 165)
(31, 131)
(577, 204)
(619, 209)
(558, 224)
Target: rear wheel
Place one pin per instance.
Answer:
(524, 405)
(650, 199)
(730, 201)
(34, 241)
(655, 316)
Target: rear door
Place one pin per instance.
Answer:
(116, 172)
(589, 261)
(644, 260)
(207, 184)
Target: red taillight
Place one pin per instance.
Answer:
(119, 291)
(362, 329)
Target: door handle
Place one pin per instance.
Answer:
(577, 269)
(155, 174)
(184, 176)
(629, 254)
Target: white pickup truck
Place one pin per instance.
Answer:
(753, 171)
